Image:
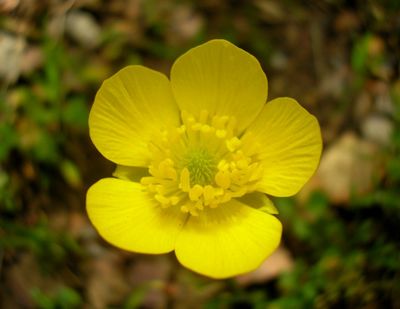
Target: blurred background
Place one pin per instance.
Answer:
(340, 59)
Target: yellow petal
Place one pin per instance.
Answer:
(228, 240)
(222, 79)
(288, 141)
(128, 218)
(260, 201)
(129, 107)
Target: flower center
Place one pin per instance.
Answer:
(200, 164)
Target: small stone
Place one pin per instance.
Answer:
(11, 50)
(271, 11)
(279, 61)
(383, 101)
(334, 83)
(377, 129)
(348, 167)
(83, 28)
(32, 59)
(184, 24)
(363, 105)
(7, 6)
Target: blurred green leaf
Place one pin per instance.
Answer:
(9, 139)
(71, 173)
(75, 113)
(64, 298)
(136, 298)
(359, 55)
(46, 148)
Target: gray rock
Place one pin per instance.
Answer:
(377, 129)
(11, 50)
(83, 28)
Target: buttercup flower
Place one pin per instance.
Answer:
(196, 156)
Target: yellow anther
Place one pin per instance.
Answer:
(187, 118)
(166, 169)
(197, 126)
(153, 171)
(233, 143)
(242, 164)
(174, 200)
(236, 176)
(256, 172)
(181, 129)
(190, 208)
(199, 205)
(240, 191)
(167, 172)
(162, 199)
(194, 212)
(171, 173)
(220, 133)
(184, 184)
(218, 191)
(151, 187)
(169, 162)
(223, 165)
(205, 128)
(219, 122)
(159, 189)
(184, 209)
(225, 198)
(223, 179)
(209, 194)
(195, 192)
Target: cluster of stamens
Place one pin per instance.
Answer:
(200, 164)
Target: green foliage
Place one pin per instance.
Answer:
(239, 299)
(135, 299)
(51, 249)
(64, 298)
(9, 139)
(75, 113)
(6, 193)
(36, 118)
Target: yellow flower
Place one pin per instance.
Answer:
(196, 156)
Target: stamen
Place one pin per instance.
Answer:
(222, 179)
(220, 133)
(209, 194)
(195, 192)
(200, 164)
(233, 143)
(185, 180)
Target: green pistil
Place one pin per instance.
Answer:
(201, 166)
